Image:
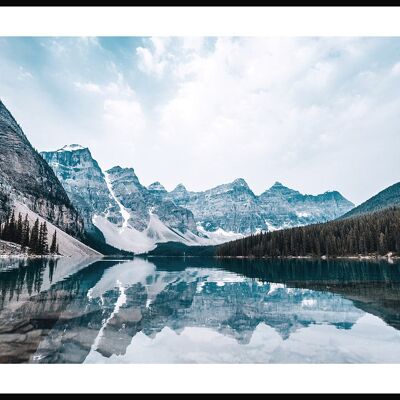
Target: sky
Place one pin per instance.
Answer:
(315, 113)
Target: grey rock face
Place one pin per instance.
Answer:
(84, 182)
(141, 201)
(10, 249)
(96, 193)
(179, 195)
(156, 187)
(234, 207)
(25, 176)
(285, 207)
(132, 195)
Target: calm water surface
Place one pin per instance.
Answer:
(197, 310)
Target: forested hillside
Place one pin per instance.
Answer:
(376, 233)
(389, 197)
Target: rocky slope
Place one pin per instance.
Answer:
(84, 182)
(26, 177)
(10, 249)
(286, 207)
(129, 215)
(142, 202)
(68, 245)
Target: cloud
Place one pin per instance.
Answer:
(314, 113)
(396, 69)
(284, 109)
(88, 87)
(154, 60)
(23, 74)
(124, 116)
(118, 88)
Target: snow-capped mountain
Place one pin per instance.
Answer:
(234, 207)
(84, 182)
(284, 207)
(134, 217)
(130, 216)
(144, 202)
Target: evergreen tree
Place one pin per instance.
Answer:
(18, 230)
(11, 228)
(25, 232)
(43, 244)
(34, 239)
(375, 233)
(53, 246)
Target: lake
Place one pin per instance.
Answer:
(199, 310)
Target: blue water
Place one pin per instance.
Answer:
(197, 310)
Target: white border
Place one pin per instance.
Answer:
(199, 21)
(277, 21)
(152, 378)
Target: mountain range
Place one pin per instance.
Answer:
(112, 211)
(135, 218)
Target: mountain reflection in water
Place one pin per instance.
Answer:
(199, 311)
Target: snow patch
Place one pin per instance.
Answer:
(123, 239)
(303, 214)
(274, 287)
(308, 302)
(124, 212)
(119, 303)
(270, 227)
(219, 236)
(71, 147)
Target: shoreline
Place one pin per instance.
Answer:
(29, 256)
(369, 257)
(388, 257)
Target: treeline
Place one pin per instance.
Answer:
(376, 233)
(33, 240)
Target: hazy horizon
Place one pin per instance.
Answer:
(316, 114)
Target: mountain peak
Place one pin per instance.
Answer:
(156, 186)
(180, 192)
(277, 185)
(279, 189)
(181, 188)
(333, 193)
(240, 182)
(118, 168)
(127, 172)
(72, 147)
